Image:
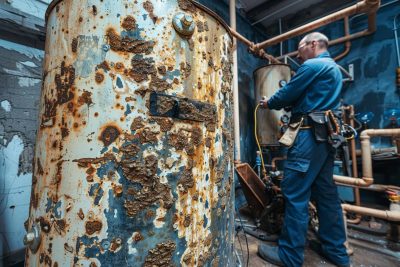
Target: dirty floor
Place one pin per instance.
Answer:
(369, 250)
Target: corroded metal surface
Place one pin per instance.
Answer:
(267, 82)
(113, 184)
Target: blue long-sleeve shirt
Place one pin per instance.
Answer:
(315, 87)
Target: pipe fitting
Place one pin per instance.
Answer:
(33, 238)
(184, 24)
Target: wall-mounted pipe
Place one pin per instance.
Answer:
(347, 44)
(382, 214)
(365, 137)
(232, 17)
(366, 6)
(371, 29)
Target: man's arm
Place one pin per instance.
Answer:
(287, 95)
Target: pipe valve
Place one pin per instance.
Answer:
(184, 24)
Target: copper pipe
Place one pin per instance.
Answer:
(366, 6)
(274, 160)
(371, 29)
(260, 52)
(375, 187)
(347, 45)
(356, 190)
(382, 214)
(365, 137)
(379, 151)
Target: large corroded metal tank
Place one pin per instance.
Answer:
(268, 80)
(134, 153)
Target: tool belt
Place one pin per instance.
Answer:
(324, 124)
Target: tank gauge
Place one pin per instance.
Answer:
(282, 83)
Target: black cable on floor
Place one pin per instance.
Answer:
(245, 236)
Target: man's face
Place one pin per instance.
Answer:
(305, 50)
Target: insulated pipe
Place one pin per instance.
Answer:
(232, 16)
(366, 6)
(379, 151)
(365, 137)
(381, 214)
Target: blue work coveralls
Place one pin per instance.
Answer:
(308, 169)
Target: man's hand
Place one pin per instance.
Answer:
(264, 102)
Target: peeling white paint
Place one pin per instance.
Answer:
(14, 196)
(32, 7)
(29, 64)
(6, 105)
(27, 51)
(27, 82)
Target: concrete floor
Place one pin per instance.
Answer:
(372, 250)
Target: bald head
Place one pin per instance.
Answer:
(312, 45)
(317, 36)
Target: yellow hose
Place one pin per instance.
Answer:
(258, 143)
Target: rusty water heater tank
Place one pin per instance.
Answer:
(133, 163)
(268, 80)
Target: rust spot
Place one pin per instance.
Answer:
(109, 135)
(152, 191)
(176, 81)
(55, 264)
(96, 114)
(104, 65)
(200, 26)
(199, 85)
(148, 6)
(129, 23)
(47, 260)
(118, 190)
(64, 82)
(68, 248)
(208, 142)
(187, 221)
(141, 68)
(149, 214)
(85, 162)
(74, 45)
(80, 19)
(119, 66)
(148, 135)
(161, 255)
(99, 77)
(92, 264)
(94, 9)
(81, 215)
(186, 5)
(165, 124)
(61, 224)
(76, 125)
(116, 245)
(93, 226)
(127, 44)
(185, 69)
(89, 178)
(186, 180)
(45, 225)
(64, 132)
(90, 170)
(138, 237)
(162, 70)
(39, 167)
(137, 124)
(188, 258)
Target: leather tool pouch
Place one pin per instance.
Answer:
(290, 135)
(318, 121)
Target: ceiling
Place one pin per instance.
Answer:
(292, 13)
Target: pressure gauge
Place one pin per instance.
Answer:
(282, 83)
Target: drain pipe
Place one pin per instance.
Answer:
(232, 17)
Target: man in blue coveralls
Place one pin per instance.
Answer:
(308, 169)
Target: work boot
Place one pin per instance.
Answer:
(316, 247)
(270, 254)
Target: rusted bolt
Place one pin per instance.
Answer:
(32, 238)
(183, 24)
